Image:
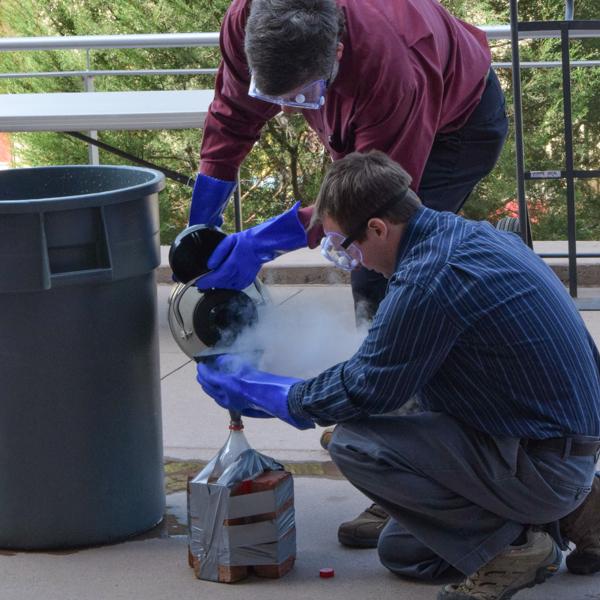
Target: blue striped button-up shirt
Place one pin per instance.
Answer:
(478, 324)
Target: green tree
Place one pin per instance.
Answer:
(288, 163)
(543, 124)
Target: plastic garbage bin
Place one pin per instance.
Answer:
(80, 417)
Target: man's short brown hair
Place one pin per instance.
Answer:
(355, 186)
(290, 43)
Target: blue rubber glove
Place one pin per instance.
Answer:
(209, 199)
(236, 385)
(238, 258)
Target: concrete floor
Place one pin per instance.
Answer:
(155, 567)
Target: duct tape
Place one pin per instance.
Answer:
(233, 530)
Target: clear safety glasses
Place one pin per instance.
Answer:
(346, 257)
(311, 96)
(342, 251)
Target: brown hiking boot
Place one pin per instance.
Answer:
(364, 531)
(326, 438)
(582, 527)
(516, 568)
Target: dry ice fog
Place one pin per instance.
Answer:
(300, 338)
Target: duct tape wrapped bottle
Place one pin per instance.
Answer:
(236, 444)
(241, 515)
(241, 505)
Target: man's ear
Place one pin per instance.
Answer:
(378, 227)
(339, 51)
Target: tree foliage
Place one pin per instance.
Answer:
(288, 163)
(544, 125)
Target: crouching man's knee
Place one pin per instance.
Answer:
(353, 453)
(393, 555)
(349, 448)
(405, 556)
(336, 445)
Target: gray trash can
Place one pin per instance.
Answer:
(80, 415)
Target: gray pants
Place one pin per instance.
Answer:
(457, 496)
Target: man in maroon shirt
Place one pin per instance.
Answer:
(401, 76)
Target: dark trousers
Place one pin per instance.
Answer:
(457, 496)
(457, 163)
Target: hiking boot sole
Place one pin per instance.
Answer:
(325, 439)
(541, 575)
(352, 541)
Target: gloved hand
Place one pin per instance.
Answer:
(236, 385)
(209, 198)
(238, 258)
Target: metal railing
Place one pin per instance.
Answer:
(194, 40)
(189, 40)
(211, 39)
(536, 30)
(568, 174)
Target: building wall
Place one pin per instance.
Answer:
(5, 154)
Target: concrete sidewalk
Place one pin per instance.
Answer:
(154, 566)
(306, 266)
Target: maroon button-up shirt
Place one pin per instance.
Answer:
(409, 70)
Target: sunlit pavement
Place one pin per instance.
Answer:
(155, 566)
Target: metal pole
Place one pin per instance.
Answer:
(193, 40)
(569, 10)
(82, 42)
(518, 109)
(169, 173)
(237, 204)
(88, 84)
(568, 126)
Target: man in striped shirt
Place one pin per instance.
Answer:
(503, 459)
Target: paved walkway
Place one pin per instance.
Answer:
(308, 266)
(155, 566)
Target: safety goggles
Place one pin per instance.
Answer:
(342, 251)
(333, 248)
(310, 97)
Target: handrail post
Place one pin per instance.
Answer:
(237, 204)
(518, 118)
(569, 10)
(88, 86)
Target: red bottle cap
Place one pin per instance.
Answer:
(326, 573)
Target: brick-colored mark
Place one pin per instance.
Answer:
(274, 571)
(5, 154)
(268, 480)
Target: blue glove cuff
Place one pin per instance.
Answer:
(299, 423)
(278, 235)
(209, 199)
(241, 387)
(238, 258)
